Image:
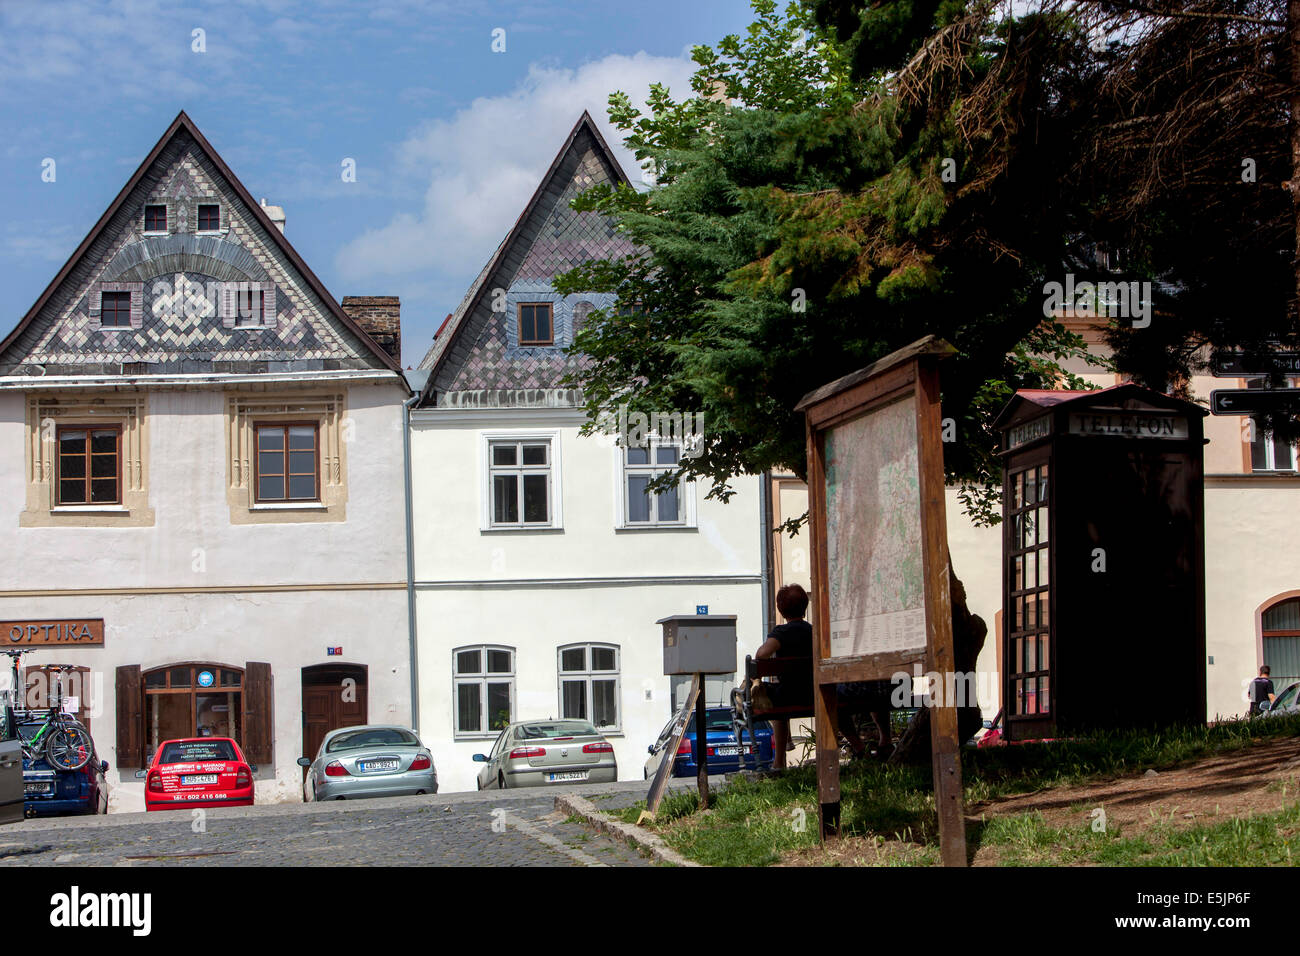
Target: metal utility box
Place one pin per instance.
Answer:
(699, 643)
(1103, 561)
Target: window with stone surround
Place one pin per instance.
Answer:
(287, 458)
(87, 460)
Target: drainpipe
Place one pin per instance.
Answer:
(410, 562)
(766, 574)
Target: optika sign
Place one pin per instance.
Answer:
(1126, 300)
(73, 909)
(40, 633)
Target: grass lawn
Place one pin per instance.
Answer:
(1198, 807)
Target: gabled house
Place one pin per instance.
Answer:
(202, 468)
(541, 563)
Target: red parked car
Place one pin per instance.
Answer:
(198, 772)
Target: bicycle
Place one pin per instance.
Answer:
(65, 743)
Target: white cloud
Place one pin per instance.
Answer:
(483, 164)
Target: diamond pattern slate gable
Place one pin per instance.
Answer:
(180, 322)
(484, 353)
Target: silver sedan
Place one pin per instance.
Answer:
(377, 760)
(538, 753)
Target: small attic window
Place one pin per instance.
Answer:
(209, 217)
(155, 218)
(115, 310)
(535, 326)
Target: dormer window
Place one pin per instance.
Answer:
(155, 218)
(535, 325)
(209, 217)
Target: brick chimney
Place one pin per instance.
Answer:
(381, 318)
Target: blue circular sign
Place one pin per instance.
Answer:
(205, 678)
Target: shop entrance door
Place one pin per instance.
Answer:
(333, 696)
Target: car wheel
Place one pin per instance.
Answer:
(501, 781)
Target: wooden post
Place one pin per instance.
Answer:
(701, 748)
(945, 744)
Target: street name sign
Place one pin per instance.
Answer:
(1239, 364)
(1254, 401)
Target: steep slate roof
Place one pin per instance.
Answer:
(311, 330)
(548, 238)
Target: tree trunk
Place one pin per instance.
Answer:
(968, 633)
(1293, 36)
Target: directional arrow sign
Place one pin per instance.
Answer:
(1238, 364)
(1254, 401)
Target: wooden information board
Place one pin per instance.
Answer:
(881, 600)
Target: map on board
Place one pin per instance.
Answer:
(873, 533)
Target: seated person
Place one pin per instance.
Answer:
(791, 639)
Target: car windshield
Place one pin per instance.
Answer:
(372, 737)
(192, 751)
(1286, 698)
(556, 728)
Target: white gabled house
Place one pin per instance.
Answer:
(541, 565)
(202, 470)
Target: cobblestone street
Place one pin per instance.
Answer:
(494, 828)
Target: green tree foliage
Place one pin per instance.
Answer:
(811, 215)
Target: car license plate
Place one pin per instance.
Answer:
(575, 775)
(734, 751)
(43, 786)
(369, 766)
(198, 779)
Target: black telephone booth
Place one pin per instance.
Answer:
(1103, 561)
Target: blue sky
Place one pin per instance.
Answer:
(449, 137)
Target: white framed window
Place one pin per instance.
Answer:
(589, 684)
(638, 507)
(522, 481)
(1269, 453)
(483, 692)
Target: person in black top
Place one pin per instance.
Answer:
(791, 639)
(1261, 689)
(794, 638)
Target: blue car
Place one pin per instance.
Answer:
(724, 753)
(48, 792)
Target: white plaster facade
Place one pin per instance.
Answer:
(195, 587)
(586, 581)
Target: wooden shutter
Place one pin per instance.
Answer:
(130, 720)
(268, 305)
(258, 716)
(228, 303)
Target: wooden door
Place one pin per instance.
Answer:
(329, 706)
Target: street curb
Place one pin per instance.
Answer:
(629, 833)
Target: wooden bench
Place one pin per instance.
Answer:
(745, 710)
